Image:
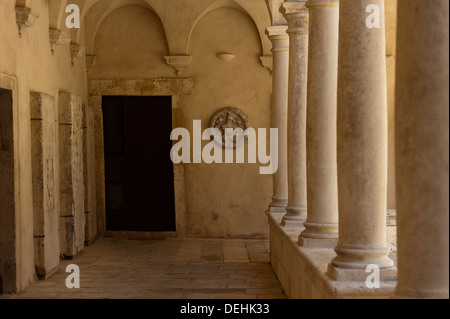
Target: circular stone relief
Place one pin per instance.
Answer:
(233, 118)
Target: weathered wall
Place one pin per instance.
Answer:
(223, 200)
(30, 60)
(72, 192)
(44, 147)
(227, 200)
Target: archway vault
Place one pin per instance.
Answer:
(178, 18)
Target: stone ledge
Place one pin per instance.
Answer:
(162, 87)
(302, 272)
(8, 82)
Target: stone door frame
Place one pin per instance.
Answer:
(174, 87)
(9, 83)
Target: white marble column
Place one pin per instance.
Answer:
(422, 149)
(361, 145)
(321, 227)
(297, 16)
(280, 42)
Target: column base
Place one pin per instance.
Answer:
(276, 210)
(278, 205)
(292, 221)
(317, 242)
(345, 274)
(319, 235)
(295, 216)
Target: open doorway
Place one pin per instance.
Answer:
(139, 177)
(7, 201)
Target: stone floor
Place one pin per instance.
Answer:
(166, 269)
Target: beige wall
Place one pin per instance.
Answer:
(223, 200)
(227, 200)
(29, 59)
(131, 44)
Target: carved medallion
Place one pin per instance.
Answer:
(231, 118)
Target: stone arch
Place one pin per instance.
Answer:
(273, 7)
(56, 12)
(269, 6)
(258, 15)
(96, 11)
(129, 31)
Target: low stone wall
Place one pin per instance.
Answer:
(391, 230)
(302, 271)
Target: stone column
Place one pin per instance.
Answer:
(72, 214)
(89, 173)
(321, 228)
(280, 42)
(43, 158)
(361, 145)
(422, 154)
(297, 16)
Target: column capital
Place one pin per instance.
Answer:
(279, 37)
(312, 3)
(277, 31)
(297, 15)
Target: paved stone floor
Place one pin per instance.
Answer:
(166, 269)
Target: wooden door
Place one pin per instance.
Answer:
(138, 170)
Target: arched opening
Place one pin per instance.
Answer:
(130, 43)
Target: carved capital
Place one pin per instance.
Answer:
(279, 38)
(57, 38)
(25, 18)
(297, 15)
(178, 62)
(76, 51)
(90, 60)
(277, 31)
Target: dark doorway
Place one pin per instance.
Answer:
(138, 171)
(7, 198)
